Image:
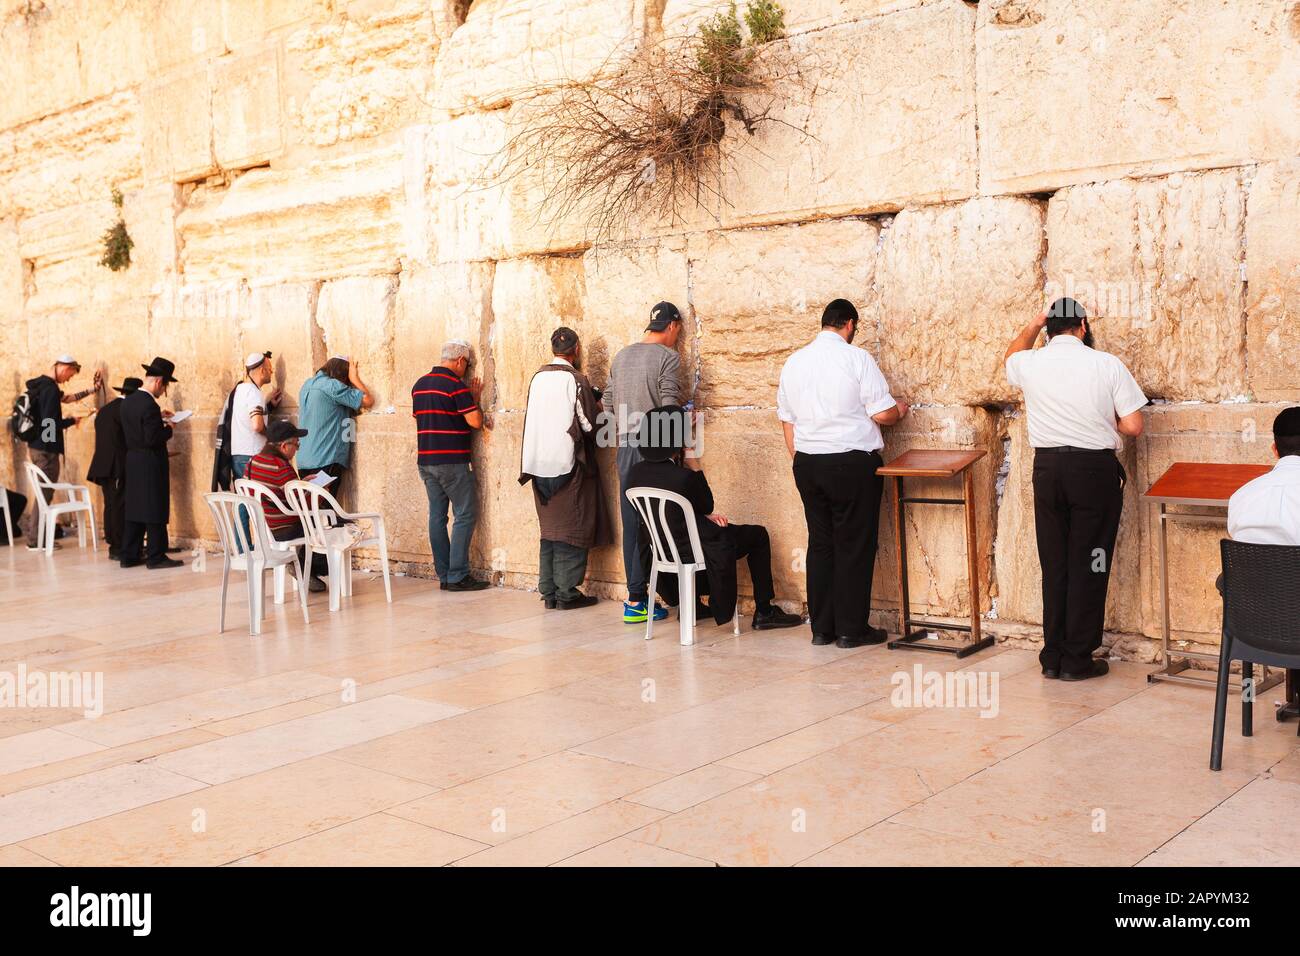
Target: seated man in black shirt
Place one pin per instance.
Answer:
(664, 466)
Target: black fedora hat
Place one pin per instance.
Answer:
(663, 432)
(128, 385)
(160, 368)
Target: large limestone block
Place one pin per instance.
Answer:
(623, 282)
(885, 118)
(61, 250)
(150, 217)
(74, 156)
(508, 541)
(182, 32)
(1211, 433)
(1273, 277)
(246, 108)
(682, 18)
(356, 319)
(937, 578)
(177, 121)
(943, 312)
(385, 477)
(281, 320)
(530, 299)
(466, 199)
(434, 304)
(506, 48)
(197, 326)
(249, 22)
(759, 294)
(57, 55)
(1019, 575)
(1158, 262)
(362, 72)
(11, 282)
(331, 218)
(1075, 92)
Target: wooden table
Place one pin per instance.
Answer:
(1205, 485)
(937, 463)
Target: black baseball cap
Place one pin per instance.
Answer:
(282, 431)
(663, 315)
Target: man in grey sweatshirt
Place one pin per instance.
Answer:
(644, 375)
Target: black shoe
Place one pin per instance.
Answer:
(131, 563)
(315, 586)
(774, 618)
(873, 635)
(1051, 673)
(549, 602)
(157, 563)
(1099, 669)
(582, 600)
(176, 550)
(466, 584)
(821, 640)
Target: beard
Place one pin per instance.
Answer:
(1087, 338)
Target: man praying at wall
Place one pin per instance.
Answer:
(559, 458)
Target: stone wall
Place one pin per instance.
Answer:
(309, 176)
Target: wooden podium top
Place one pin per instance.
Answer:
(1202, 483)
(931, 463)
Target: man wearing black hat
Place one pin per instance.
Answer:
(148, 474)
(108, 466)
(644, 375)
(663, 438)
(1079, 403)
(559, 458)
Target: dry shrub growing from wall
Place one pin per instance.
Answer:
(645, 137)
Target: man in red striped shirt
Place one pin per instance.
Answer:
(273, 467)
(447, 412)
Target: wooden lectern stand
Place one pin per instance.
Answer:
(937, 463)
(1193, 484)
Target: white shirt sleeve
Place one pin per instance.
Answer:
(1126, 392)
(1014, 361)
(783, 410)
(874, 389)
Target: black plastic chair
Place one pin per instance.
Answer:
(1261, 623)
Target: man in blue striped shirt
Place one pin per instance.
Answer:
(446, 410)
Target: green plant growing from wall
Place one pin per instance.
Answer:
(117, 241)
(647, 135)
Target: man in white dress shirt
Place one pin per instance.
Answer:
(1079, 403)
(1267, 509)
(832, 401)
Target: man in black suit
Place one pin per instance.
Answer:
(108, 466)
(664, 465)
(148, 477)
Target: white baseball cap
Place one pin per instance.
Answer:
(254, 359)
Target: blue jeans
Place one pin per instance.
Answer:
(450, 485)
(239, 465)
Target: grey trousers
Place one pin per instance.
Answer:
(563, 567)
(636, 547)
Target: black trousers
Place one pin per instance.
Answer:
(1078, 496)
(841, 501)
(752, 543)
(133, 538)
(114, 512)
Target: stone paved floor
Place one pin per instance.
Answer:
(487, 731)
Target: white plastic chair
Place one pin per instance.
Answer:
(321, 516)
(261, 493)
(78, 503)
(665, 557)
(254, 558)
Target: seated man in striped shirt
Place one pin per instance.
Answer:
(273, 467)
(447, 412)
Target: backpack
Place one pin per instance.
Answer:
(22, 420)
